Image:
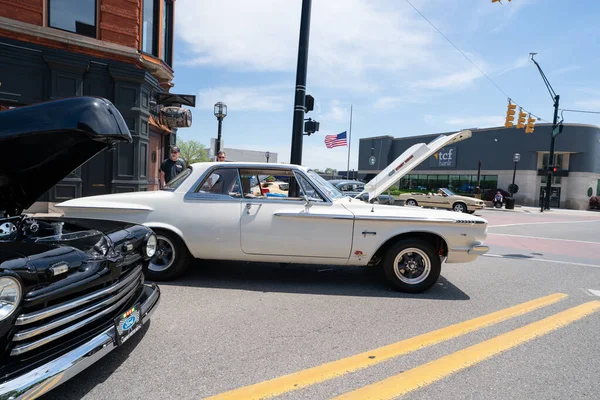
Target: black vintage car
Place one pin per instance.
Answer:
(70, 290)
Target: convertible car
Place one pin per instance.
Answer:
(443, 198)
(71, 290)
(211, 211)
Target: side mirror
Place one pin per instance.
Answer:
(307, 202)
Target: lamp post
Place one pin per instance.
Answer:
(268, 155)
(220, 113)
(516, 159)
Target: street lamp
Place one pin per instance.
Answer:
(516, 159)
(220, 113)
(268, 155)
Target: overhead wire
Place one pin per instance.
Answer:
(468, 59)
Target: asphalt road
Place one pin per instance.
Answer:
(226, 326)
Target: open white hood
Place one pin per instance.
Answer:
(408, 160)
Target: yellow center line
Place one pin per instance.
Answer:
(426, 374)
(311, 376)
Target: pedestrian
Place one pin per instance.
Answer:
(221, 156)
(171, 166)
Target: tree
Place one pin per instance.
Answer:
(193, 151)
(330, 171)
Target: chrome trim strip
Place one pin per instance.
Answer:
(308, 215)
(56, 372)
(29, 333)
(25, 319)
(411, 219)
(17, 350)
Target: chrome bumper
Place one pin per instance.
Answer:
(479, 249)
(52, 374)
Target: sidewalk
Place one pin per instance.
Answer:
(536, 210)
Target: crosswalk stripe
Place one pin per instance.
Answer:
(311, 376)
(433, 371)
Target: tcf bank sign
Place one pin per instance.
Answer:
(444, 158)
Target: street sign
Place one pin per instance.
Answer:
(557, 131)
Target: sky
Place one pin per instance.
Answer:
(382, 58)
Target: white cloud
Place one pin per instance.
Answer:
(349, 39)
(562, 70)
(589, 105)
(389, 102)
(336, 113)
(273, 98)
(449, 81)
(476, 122)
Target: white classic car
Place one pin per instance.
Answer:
(214, 211)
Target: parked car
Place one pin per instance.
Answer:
(443, 198)
(71, 290)
(314, 224)
(353, 188)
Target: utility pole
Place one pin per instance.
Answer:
(299, 106)
(545, 203)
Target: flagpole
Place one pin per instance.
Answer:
(349, 143)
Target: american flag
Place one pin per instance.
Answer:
(336, 140)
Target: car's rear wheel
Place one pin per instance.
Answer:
(412, 266)
(411, 202)
(460, 207)
(170, 259)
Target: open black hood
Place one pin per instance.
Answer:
(43, 143)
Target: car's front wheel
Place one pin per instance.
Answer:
(412, 265)
(460, 207)
(170, 259)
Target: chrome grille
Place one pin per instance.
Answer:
(44, 326)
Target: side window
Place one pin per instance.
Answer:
(308, 189)
(276, 184)
(222, 181)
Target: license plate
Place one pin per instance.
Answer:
(128, 323)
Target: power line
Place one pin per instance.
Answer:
(468, 59)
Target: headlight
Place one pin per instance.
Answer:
(150, 247)
(10, 296)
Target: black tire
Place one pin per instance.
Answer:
(163, 267)
(421, 249)
(411, 202)
(461, 205)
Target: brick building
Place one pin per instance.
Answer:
(121, 50)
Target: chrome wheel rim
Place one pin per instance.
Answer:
(165, 255)
(411, 203)
(412, 266)
(459, 208)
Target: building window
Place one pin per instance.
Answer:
(157, 23)
(78, 16)
(167, 33)
(150, 27)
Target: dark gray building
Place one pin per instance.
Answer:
(577, 155)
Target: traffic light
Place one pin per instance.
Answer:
(521, 120)
(311, 126)
(309, 103)
(510, 115)
(530, 125)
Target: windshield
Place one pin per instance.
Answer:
(178, 180)
(448, 192)
(326, 187)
